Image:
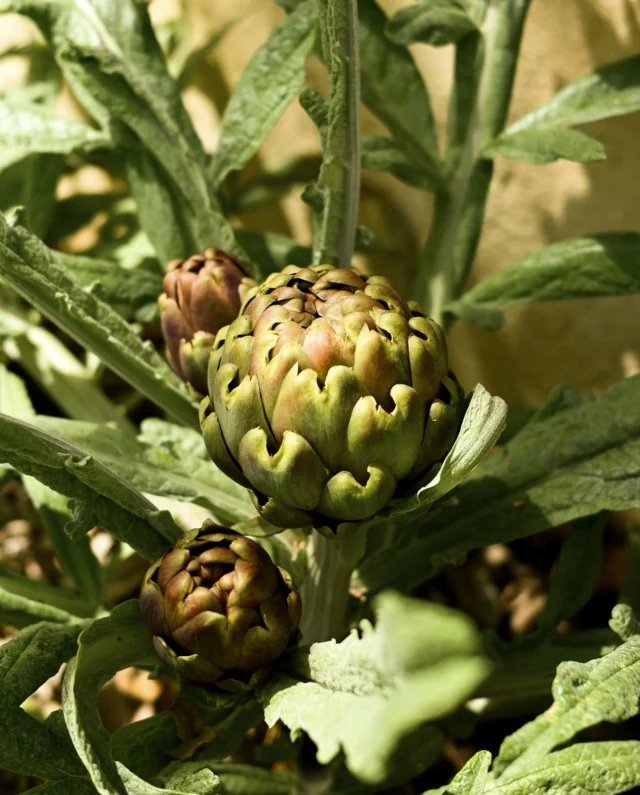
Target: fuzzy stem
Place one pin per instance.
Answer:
(485, 71)
(340, 171)
(325, 593)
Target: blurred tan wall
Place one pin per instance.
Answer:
(588, 344)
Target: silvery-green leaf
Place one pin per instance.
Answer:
(546, 143)
(102, 498)
(582, 267)
(604, 768)
(110, 58)
(28, 266)
(30, 658)
(158, 464)
(585, 694)
(99, 657)
(38, 128)
(369, 694)
(436, 22)
(611, 90)
(268, 85)
(564, 465)
(394, 91)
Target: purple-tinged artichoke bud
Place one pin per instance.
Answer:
(329, 396)
(201, 295)
(220, 610)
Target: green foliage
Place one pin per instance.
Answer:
(384, 154)
(112, 62)
(103, 498)
(132, 292)
(394, 91)
(79, 335)
(367, 693)
(268, 85)
(542, 144)
(98, 658)
(546, 475)
(612, 90)
(29, 746)
(542, 135)
(583, 267)
(576, 575)
(165, 460)
(36, 128)
(435, 22)
(32, 270)
(59, 373)
(585, 694)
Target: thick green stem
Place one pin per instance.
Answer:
(485, 71)
(340, 172)
(325, 593)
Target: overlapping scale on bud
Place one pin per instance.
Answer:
(329, 395)
(201, 295)
(220, 610)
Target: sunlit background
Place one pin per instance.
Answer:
(588, 344)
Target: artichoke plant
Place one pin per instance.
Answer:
(329, 395)
(201, 295)
(220, 610)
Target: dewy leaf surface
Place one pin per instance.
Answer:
(585, 694)
(583, 267)
(268, 85)
(561, 467)
(367, 694)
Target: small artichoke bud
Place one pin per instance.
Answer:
(220, 610)
(201, 295)
(329, 396)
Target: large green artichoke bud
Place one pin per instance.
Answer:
(220, 610)
(201, 295)
(328, 396)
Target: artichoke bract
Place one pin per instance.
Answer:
(201, 295)
(220, 610)
(329, 395)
